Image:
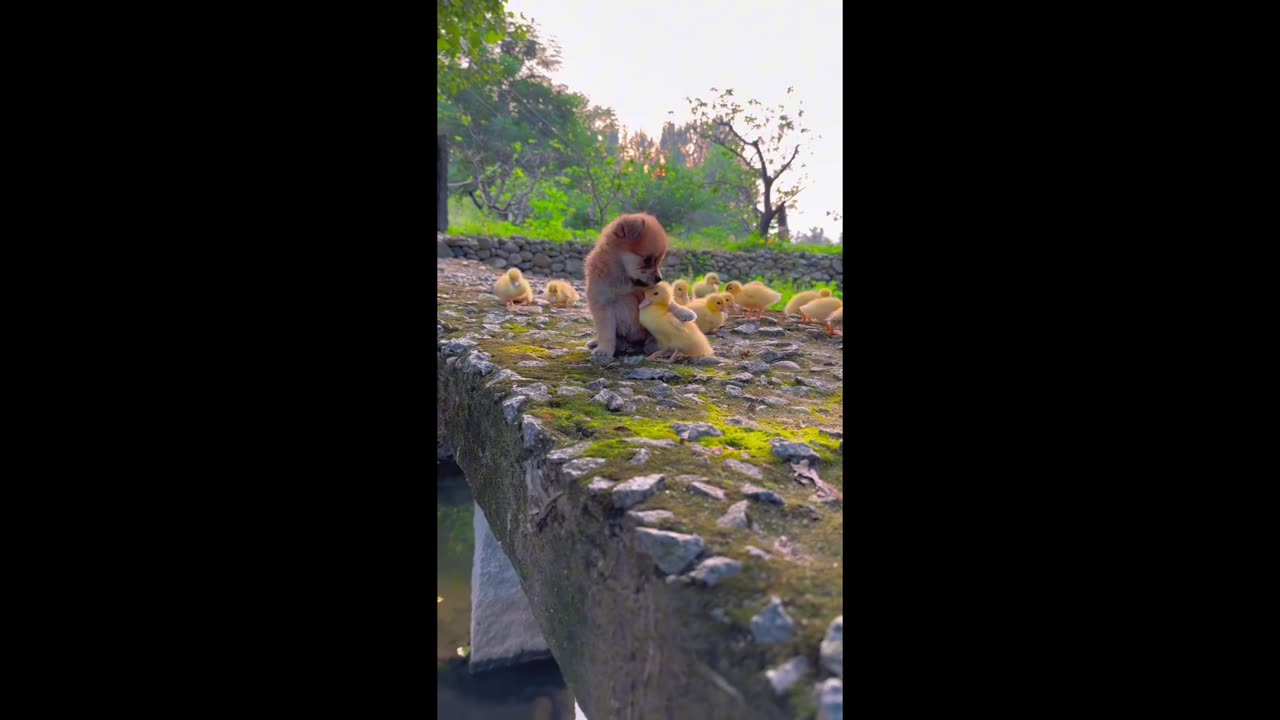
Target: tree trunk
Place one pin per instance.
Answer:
(442, 185)
(784, 232)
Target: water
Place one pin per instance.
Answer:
(532, 691)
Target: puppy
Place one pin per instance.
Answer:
(626, 260)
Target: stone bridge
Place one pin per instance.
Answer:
(676, 529)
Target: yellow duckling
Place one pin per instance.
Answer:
(729, 304)
(793, 306)
(672, 325)
(710, 312)
(733, 288)
(513, 288)
(707, 285)
(821, 310)
(836, 321)
(754, 296)
(560, 293)
(680, 290)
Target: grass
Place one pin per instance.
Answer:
(466, 220)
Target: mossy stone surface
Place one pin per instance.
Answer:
(630, 643)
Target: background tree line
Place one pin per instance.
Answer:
(529, 152)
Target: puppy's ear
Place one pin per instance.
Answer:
(628, 227)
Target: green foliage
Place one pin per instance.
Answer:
(531, 158)
(790, 288)
(463, 29)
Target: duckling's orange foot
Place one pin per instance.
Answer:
(830, 330)
(654, 357)
(675, 355)
(511, 306)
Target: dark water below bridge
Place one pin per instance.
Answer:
(533, 691)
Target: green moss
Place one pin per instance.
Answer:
(610, 449)
(755, 442)
(516, 328)
(525, 350)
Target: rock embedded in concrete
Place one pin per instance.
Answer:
(511, 408)
(650, 517)
(610, 399)
(600, 485)
(762, 495)
(476, 362)
(570, 390)
(580, 468)
(832, 648)
(743, 422)
(597, 385)
(641, 457)
(636, 490)
(783, 677)
(711, 491)
(455, 347)
(736, 517)
(815, 384)
(790, 451)
(707, 360)
(662, 390)
(714, 569)
(695, 431)
(671, 551)
(645, 374)
(568, 453)
(533, 434)
(830, 694)
(773, 625)
(744, 468)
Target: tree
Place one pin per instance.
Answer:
(463, 27)
(760, 137)
(505, 125)
(598, 172)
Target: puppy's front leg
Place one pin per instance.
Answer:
(606, 330)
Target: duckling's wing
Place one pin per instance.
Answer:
(683, 314)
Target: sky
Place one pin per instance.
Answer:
(643, 57)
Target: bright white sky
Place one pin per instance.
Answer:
(643, 57)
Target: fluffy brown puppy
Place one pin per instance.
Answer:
(626, 259)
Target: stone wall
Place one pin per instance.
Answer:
(564, 260)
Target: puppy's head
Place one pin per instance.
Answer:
(640, 244)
